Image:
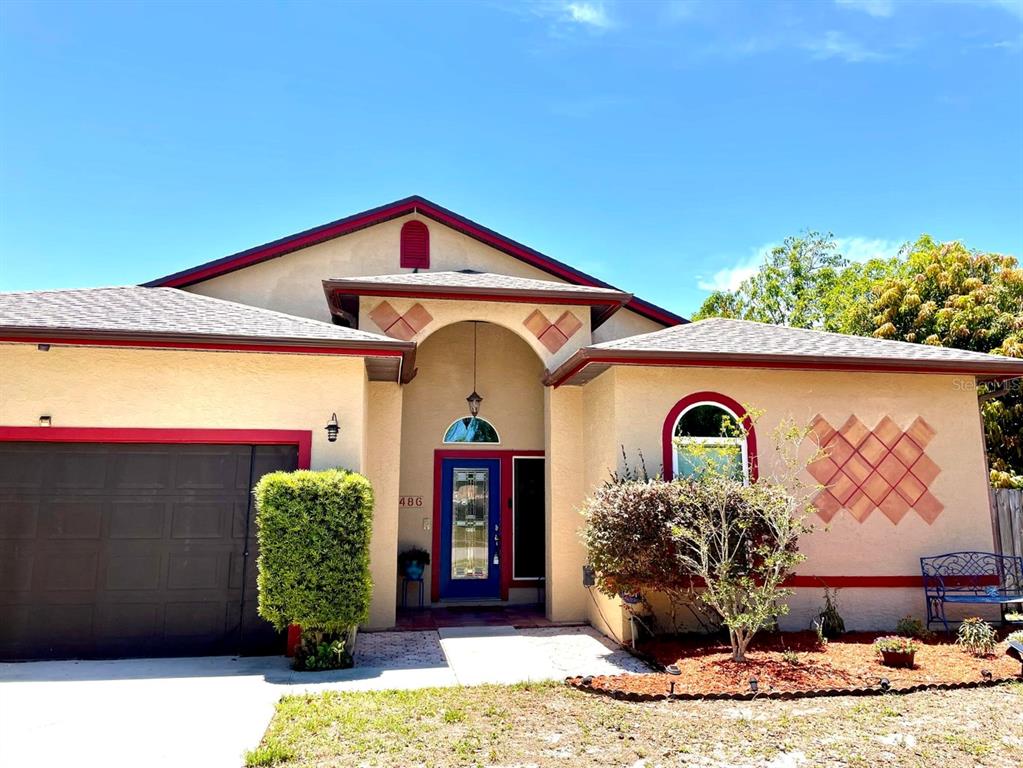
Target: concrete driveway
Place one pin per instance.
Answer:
(208, 711)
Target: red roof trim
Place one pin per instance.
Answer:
(582, 359)
(414, 204)
(226, 347)
(303, 438)
(481, 295)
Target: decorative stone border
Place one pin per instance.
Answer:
(582, 684)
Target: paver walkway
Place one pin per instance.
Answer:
(208, 711)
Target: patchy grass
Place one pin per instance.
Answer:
(552, 725)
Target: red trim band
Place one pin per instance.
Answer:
(302, 438)
(203, 345)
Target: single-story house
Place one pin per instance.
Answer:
(483, 387)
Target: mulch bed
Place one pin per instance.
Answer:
(848, 665)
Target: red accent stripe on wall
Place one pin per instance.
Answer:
(222, 346)
(302, 438)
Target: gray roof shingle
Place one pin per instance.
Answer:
(742, 343)
(718, 335)
(470, 279)
(134, 310)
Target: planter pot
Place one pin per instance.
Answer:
(630, 599)
(294, 638)
(414, 571)
(897, 658)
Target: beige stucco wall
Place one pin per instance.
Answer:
(381, 457)
(508, 377)
(95, 387)
(292, 283)
(642, 398)
(509, 315)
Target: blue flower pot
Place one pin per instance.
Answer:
(414, 571)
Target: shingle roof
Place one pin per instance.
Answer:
(471, 279)
(133, 310)
(742, 342)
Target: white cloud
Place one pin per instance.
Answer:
(854, 248)
(730, 278)
(588, 14)
(835, 45)
(866, 248)
(880, 9)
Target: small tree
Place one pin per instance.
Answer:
(314, 531)
(732, 544)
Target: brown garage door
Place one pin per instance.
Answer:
(117, 550)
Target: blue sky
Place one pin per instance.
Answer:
(659, 146)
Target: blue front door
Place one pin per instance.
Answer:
(470, 525)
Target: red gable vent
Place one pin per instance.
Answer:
(415, 245)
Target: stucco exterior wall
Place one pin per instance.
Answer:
(381, 458)
(511, 315)
(95, 387)
(292, 283)
(509, 379)
(845, 547)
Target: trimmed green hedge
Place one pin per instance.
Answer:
(314, 530)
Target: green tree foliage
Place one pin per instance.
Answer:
(788, 288)
(934, 293)
(314, 532)
(950, 296)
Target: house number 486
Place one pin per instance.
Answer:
(410, 501)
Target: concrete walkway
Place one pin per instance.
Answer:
(208, 711)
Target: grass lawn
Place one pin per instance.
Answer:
(552, 725)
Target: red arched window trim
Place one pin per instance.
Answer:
(415, 245)
(668, 432)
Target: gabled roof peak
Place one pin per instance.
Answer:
(413, 204)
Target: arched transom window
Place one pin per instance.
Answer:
(708, 437)
(471, 429)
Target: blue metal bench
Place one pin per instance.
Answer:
(981, 578)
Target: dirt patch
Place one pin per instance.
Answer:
(794, 663)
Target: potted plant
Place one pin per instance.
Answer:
(412, 562)
(896, 651)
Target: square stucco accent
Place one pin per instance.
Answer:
(882, 469)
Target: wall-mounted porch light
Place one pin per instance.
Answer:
(332, 428)
(43, 347)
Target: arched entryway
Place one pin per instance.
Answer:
(476, 502)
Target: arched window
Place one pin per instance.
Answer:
(708, 432)
(471, 429)
(415, 245)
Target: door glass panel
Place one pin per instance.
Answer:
(470, 523)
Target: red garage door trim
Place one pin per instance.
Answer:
(301, 438)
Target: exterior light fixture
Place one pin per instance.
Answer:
(332, 428)
(475, 399)
(43, 347)
(45, 421)
(885, 684)
(986, 674)
(754, 685)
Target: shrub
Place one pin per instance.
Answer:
(1016, 637)
(894, 644)
(830, 623)
(911, 626)
(977, 636)
(313, 569)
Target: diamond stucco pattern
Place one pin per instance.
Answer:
(399, 326)
(865, 470)
(552, 335)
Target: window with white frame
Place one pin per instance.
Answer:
(710, 438)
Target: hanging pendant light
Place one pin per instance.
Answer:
(475, 399)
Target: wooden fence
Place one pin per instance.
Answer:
(1007, 508)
